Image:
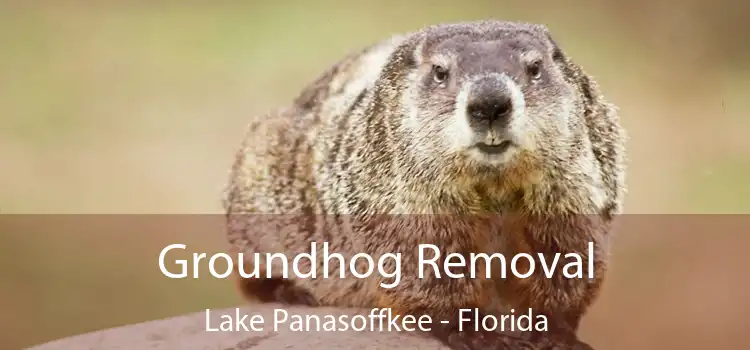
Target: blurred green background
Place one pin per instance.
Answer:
(137, 107)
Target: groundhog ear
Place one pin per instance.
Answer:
(557, 53)
(418, 48)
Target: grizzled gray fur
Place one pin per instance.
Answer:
(457, 122)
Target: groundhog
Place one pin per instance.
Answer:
(476, 137)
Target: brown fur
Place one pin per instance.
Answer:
(365, 144)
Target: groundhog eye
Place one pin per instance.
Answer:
(534, 69)
(439, 73)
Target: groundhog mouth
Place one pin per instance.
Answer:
(494, 149)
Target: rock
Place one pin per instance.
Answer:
(188, 332)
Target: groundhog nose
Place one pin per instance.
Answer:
(490, 100)
(492, 106)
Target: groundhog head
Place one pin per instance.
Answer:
(488, 95)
